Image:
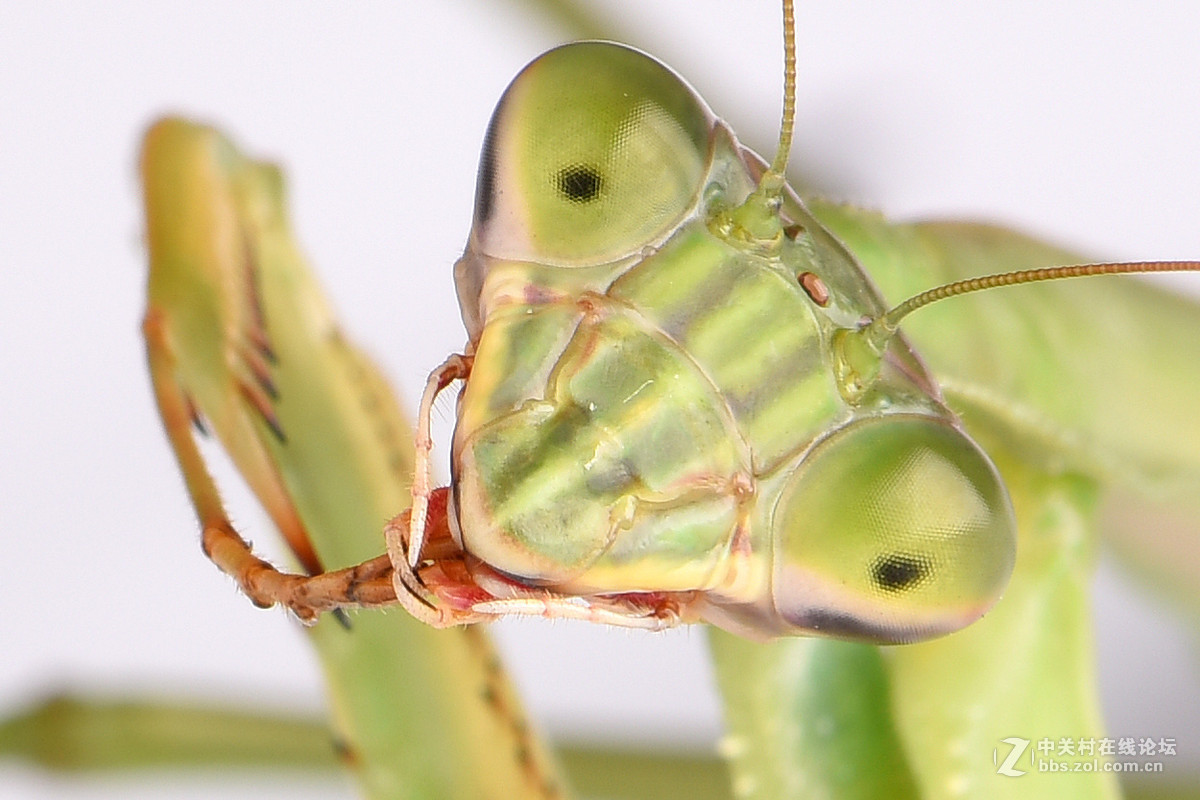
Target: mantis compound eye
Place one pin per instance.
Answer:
(893, 529)
(595, 151)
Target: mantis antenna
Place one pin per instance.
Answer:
(773, 180)
(859, 350)
(757, 219)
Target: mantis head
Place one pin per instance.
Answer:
(602, 446)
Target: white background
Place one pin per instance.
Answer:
(1075, 119)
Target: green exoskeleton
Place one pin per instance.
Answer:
(673, 407)
(684, 399)
(654, 407)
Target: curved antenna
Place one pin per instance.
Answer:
(756, 222)
(773, 180)
(859, 351)
(890, 321)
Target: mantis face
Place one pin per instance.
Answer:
(655, 409)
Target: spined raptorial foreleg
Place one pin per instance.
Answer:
(368, 584)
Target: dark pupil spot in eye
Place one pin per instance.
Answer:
(579, 183)
(897, 571)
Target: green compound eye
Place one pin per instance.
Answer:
(893, 529)
(595, 151)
